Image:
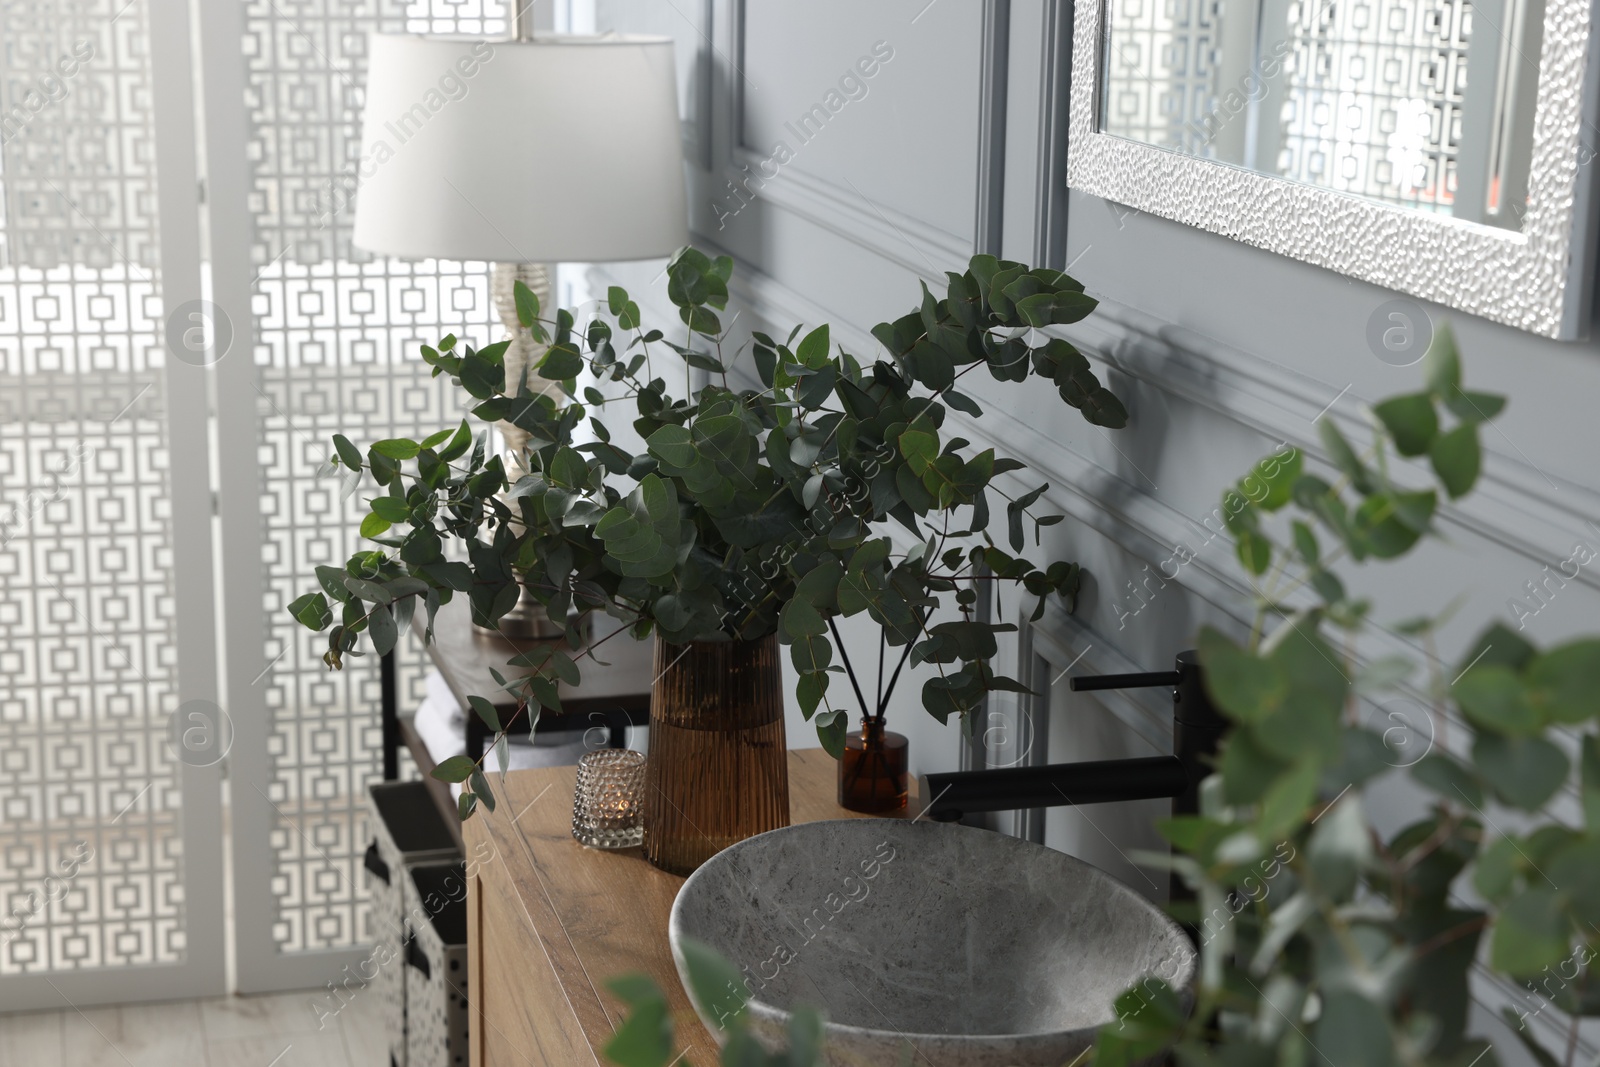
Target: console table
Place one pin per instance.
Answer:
(549, 921)
(612, 696)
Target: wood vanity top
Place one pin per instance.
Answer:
(550, 921)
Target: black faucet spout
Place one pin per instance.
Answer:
(1197, 731)
(1143, 680)
(1091, 782)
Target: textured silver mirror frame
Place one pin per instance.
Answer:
(1538, 280)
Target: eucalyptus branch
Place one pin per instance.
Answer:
(668, 538)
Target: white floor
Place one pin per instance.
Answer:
(279, 1030)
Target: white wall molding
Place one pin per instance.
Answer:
(918, 246)
(1514, 504)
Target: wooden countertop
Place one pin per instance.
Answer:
(550, 921)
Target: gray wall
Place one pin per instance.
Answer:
(1220, 351)
(865, 203)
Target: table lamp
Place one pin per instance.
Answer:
(521, 152)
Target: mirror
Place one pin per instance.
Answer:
(1435, 148)
(1428, 105)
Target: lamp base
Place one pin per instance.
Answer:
(524, 353)
(529, 621)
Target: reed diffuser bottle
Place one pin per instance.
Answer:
(872, 771)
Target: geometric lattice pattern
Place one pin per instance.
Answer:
(78, 156)
(1161, 81)
(1374, 98)
(336, 339)
(90, 849)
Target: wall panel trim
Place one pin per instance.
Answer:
(1514, 505)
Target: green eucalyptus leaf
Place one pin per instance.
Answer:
(1575, 867)
(485, 711)
(481, 378)
(1530, 933)
(369, 591)
(385, 632)
(812, 652)
(348, 453)
(561, 362)
(1244, 686)
(1060, 308)
(963, 403)
(405, 586)
(1306, 723)
(480, 788)
(716, 986)
(813, 348)
(1589, 757)
(1101, 407)
(1287, 802)
(832, 726)
(1380, 523)
(397, 448)
(1344, 457)
(1340, 847)
(527, 303)
(809, 691)
(390, 509)
(311, 611)
(673, 445)
(1474, 407)
(1270, 483)
(454, 769)
(1524, 772)
(1563, 685)
(1499, 864)
(450, 574)
(1353, 1029)
(1441, 363)
(805, 1039)
(920, 450)
(800, 619)
(1491, 695)
(645, 1037)
(1254, 551)
(820, 586)
(1411, 422)
(945, 696)
(1449, 777)
(1305, 543)
(458, 445)
(332, 581)
(1457, 458)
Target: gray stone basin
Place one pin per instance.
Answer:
(973, 948)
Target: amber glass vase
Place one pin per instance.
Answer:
(872, 771)
(718, 770)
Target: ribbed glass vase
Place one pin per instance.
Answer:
(718, 770)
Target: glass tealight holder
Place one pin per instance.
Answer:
(608, 807)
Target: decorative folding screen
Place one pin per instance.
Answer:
(110, 860)
(335, 336)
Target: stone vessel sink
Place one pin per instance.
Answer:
(973, 948)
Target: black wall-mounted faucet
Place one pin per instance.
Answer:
(1197, 728)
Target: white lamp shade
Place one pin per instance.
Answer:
(561, 149)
